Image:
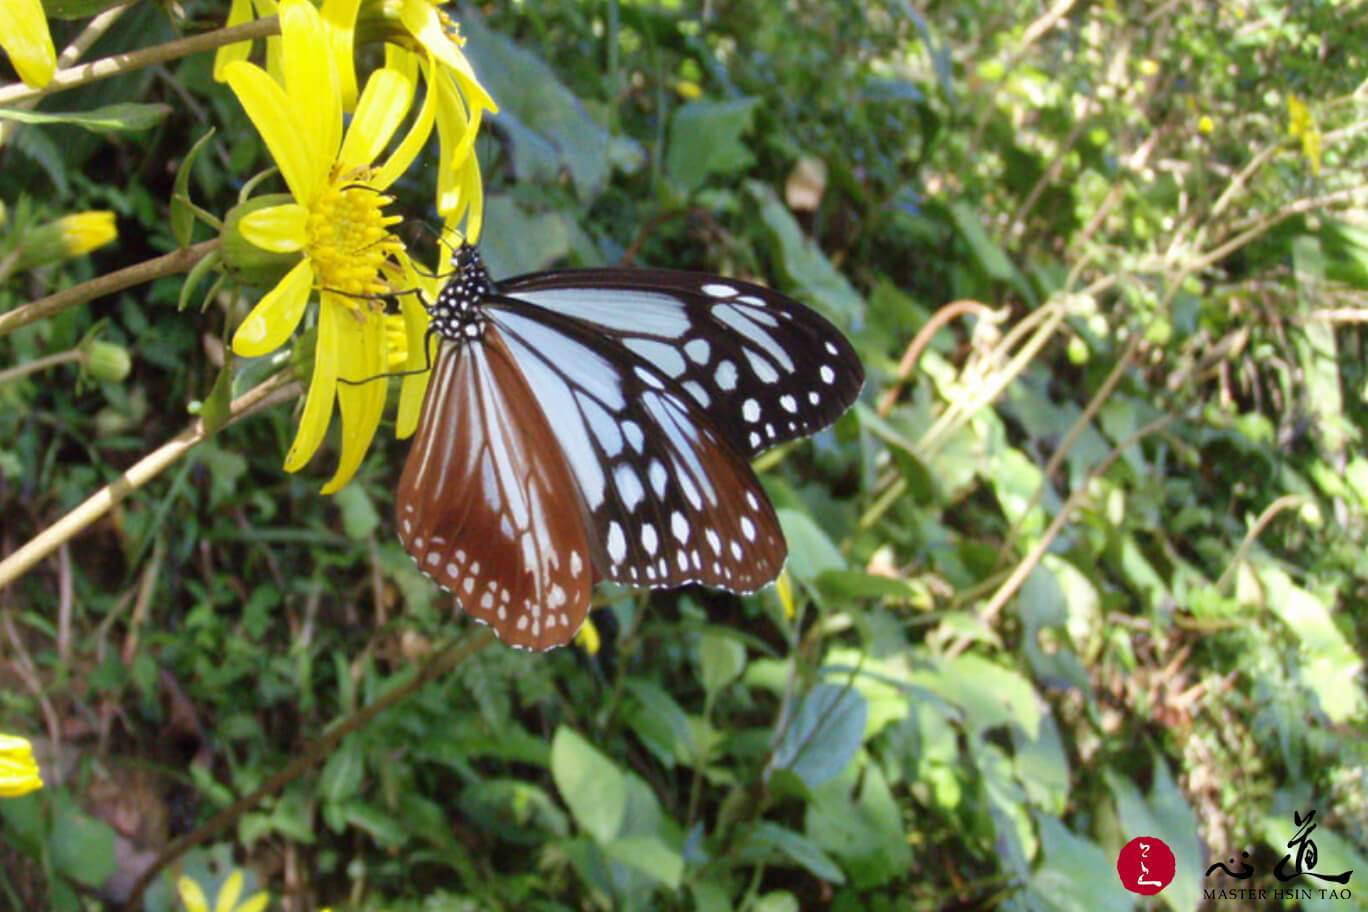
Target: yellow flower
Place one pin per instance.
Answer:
(18, 770)
(588, 637)
(192, 897)
(1301, 125)
(401, 24)
(25, 37)
(784, 586)
(336, 222)
(87, 231)
(1205, 124)
(61, 239)
(461, 103)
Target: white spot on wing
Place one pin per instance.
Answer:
(718, 290)
(698, 350)
(725, 375)
(616, 543)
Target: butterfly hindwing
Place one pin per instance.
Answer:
(487, 502)
(762, 367)
(669, 500)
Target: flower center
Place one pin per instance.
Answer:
(348, 236)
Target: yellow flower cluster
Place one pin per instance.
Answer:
(349, 258)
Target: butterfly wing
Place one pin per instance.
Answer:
(487, 504)
(668, 499)
(764, 368)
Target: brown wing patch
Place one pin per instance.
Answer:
(487, 505)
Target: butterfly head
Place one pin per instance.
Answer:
(457, 313)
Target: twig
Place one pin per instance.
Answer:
(134, 60)
(1028, 563)
(1286, 502)
(918, 344)
(277, 389)
(177, 261)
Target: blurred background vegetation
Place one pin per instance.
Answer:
(1086, 562)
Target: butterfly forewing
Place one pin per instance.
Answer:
(669, 500)
(487, 504)
(763, 368)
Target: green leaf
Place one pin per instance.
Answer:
(1166, 815)
(217, 406)
(378, 823)
(811, 552)
(81, 847)
(721, 660)
(989, 256)
(660, 722)
(819, 283)
(776, 901)
(1330, 666)
(650, 856)
(359, 516)
(772, 838)
(342, 774)
(1075, 876)
(115, 118)
(589, 784)
(705, 139)
(546, 123)
(513, 242)
(182, 211)
(989, 694)
(823, 735)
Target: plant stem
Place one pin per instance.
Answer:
(32, 367)
(134, 60)
(177, 261)
(277, 389)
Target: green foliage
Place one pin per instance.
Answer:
(1088, 567)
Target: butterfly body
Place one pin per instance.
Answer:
(596, 424)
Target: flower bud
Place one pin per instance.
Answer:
(246, 262)
(107, 361)
(69, 236)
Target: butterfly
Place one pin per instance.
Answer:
(595, 424)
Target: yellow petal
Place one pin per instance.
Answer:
(83, 232)
(361, 348)
(265, 8)
(409, 148)
(469, 200)
(270, 112)
(457, 134)
(279, 229)
(414, 386)
(191, 896)
(238, 13)
(318, 406)
(25, 37)
(339, 21)
(229, 893)
(256, 904)
(421, 21)
(311, 82)
(18, 769)
(276, 315)
(384, 102)
(784, 586)
(588, 637)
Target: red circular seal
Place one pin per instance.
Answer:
(1145, 865)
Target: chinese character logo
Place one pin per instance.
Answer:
(1306, 853)
(1146, 865)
